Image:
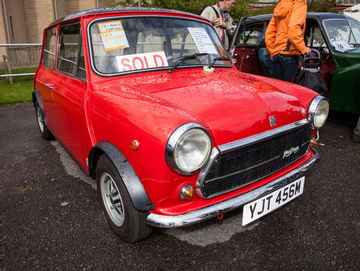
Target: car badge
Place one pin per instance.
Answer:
(272, 120)
(291, 151)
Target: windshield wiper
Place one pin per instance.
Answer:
(216, 59)
(182, 59)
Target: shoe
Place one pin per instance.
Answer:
(355, 138)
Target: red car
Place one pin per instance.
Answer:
(148, 102)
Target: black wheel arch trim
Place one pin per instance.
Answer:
(136, 190)
(36, 97)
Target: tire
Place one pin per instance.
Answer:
(124, 220)
(44, 130)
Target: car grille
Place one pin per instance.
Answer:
(245, 165)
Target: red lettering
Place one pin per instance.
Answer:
(146, 62)
(156, 57)
(125, 64)
(137, 60)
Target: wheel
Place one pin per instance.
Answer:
(44, 130)
(124, 220)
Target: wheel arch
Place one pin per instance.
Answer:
(136, 190)
(36, 98)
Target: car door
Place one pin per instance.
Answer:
(69, 92)
(315, 39)
(45, 74)
(247, 40)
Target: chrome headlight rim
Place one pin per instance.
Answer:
(314, 105)
(174, 139)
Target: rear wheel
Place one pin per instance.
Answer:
(44, 130)
(125, 221)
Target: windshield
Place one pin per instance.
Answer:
(344, 35)
(140, 43)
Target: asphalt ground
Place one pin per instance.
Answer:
(51, 218)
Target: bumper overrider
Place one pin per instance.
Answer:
(164, 221)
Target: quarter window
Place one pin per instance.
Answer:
(71, 54)
(251, 34)
(49, 48)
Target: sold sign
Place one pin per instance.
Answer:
(141, 61)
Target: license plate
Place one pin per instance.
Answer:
(270, 202)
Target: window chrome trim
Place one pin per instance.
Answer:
(90, 47)
(225, 148)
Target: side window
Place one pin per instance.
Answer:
(250, 34)
(71, 54)
(49, 48)
(313, 36)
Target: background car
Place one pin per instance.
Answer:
(336, 36)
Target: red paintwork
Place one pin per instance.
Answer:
(149, 106)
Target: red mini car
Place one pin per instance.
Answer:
(148, 102)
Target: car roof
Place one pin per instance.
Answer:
(311, 15)
(104, 11)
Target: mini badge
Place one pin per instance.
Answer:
(272, 120)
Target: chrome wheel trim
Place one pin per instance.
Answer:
(112, 200)
(40, 119)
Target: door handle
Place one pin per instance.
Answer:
(51, 86)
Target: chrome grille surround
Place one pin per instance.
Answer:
(239, 144)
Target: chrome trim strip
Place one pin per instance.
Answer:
(312, 109)
(259, 137)
(163, 221)
(239, 144)
(214, 154)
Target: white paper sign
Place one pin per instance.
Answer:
(202, 40)
(341, 46)
(141, 61)
(113, 35)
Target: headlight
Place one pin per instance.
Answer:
(318, 112)
(188, 148)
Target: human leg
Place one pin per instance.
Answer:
(289, 66)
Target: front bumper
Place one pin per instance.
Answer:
(163, 221)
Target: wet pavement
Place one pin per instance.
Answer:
(50, 218)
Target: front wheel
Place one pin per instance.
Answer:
(124, 220)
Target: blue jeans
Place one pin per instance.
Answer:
(265, 61)
(285, 67)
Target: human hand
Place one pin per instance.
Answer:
(220, 23)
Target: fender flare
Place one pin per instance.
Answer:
(36, 97)
(136, 190)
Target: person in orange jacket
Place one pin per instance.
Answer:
(284, 38)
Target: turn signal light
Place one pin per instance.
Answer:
(134, 145)
(314, 143)
(186, 192)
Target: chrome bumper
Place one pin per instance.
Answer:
(163, 221)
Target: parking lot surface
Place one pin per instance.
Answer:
(51, 218)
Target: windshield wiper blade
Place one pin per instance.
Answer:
(216, 59)
(182, 59)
